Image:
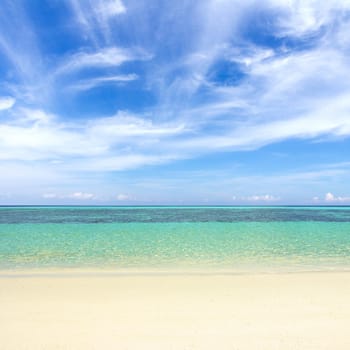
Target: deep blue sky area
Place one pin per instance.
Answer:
(175, 102)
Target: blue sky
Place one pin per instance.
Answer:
(175, 102)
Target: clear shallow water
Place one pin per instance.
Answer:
(229, 238)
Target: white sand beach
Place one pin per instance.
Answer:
(263, 311)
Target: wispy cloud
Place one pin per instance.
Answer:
(21, 58)
(107, 57)
(18, 41)
(35, 135)
(95, 16)
(88, 84)
(261, 108)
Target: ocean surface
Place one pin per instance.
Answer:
(161, 238)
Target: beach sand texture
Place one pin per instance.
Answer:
(263, 311)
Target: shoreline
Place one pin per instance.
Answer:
(308, 310)
(169, 271)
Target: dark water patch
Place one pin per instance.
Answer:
(88, 215)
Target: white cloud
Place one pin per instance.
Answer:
(307, 16)
(123, 197)
(6, 102)
(262, 198)
(330, 197)
(42, 141)
(35, 116)
(81, 195)
(257, 198)
(125, 125)
(114, 143)
(110, 8)
(74, 195)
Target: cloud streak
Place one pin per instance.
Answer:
(88, 84)
(107, 57)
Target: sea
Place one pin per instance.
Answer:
(170, 238)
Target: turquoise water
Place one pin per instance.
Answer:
(229, 238)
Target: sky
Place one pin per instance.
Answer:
(147, 102)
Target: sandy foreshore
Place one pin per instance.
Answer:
(175, 311)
